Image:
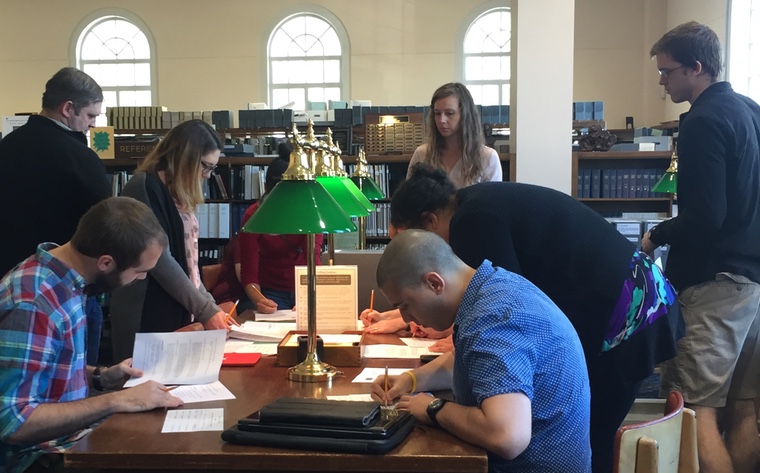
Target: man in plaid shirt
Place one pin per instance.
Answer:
(44, 379)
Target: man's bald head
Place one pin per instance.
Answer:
(413, 253)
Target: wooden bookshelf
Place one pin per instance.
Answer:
(623, 160)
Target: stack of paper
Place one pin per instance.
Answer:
(262, 331)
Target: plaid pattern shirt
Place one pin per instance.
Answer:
(42, 347)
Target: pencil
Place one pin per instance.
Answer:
(170, 388)
(386, 385)
(256, 290)
(372, 300)
(232, 311)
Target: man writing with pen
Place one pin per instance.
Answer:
(44, 380)
(518, 374)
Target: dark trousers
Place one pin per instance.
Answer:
(611, 399)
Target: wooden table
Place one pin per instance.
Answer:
(134, 441)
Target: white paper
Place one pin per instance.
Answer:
(340, 338)
(288, 315)
(418, 342)
(215, 391)
(337, 298)
(369, 375)
(351, 397)
(193, 420)
(232, 345)
(395, 351)
(245, 346)
(178, 357)
(259, 347)
(262, 331)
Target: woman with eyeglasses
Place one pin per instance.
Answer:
(455, 140)
(171, 296)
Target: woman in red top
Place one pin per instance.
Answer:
(267, 262)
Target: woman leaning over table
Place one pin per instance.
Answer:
(455, 141)
(171, 296)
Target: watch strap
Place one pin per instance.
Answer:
(434, 407)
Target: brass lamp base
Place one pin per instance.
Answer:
(311, 370)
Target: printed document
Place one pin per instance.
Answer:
(262, 331)
(193, 420)
(215, 391)
(395, 351)
(178, 357)
(337, 298)
(369, 375)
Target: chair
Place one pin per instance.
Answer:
(664, 445)
(210, 275)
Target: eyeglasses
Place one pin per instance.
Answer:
(207, 168)
(665, 73)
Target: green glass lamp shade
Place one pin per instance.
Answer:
(667, 183)
(343, 196)
(358, 195)
(297, 207)
(368, 187)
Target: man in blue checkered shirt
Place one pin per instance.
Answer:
(517, 373)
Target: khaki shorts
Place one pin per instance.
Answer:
(719, 356)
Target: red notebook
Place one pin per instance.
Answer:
(240, 359)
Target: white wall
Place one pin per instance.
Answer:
(542, 102)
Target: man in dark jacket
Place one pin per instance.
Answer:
(51, 177)
(714, 261)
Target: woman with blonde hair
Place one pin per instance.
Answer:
(171, 296)
(455, 141)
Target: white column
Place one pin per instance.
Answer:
(542, 91)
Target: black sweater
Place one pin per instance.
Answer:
(49, 179)
(566, 249)
(718, 224)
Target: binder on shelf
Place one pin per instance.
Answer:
(203, 221)
(596, 183)
(224, 220)
(586, 184)
(213, 220)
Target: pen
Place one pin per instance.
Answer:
(386, 385)
(372, 300)
(232, 311)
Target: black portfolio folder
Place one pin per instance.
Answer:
(338, 426)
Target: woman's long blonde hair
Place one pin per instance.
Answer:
(470, 132)
(179, 155)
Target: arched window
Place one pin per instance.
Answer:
(115, 50)
(487, 46)
(307, 62)
(744, 48)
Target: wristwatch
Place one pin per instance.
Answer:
(97, 383)
(433, 408)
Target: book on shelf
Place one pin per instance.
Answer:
(224, 220)
(118, 180)
(215, 220)
(626, 183)
(221, 188)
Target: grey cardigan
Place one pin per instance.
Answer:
(164, 300)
